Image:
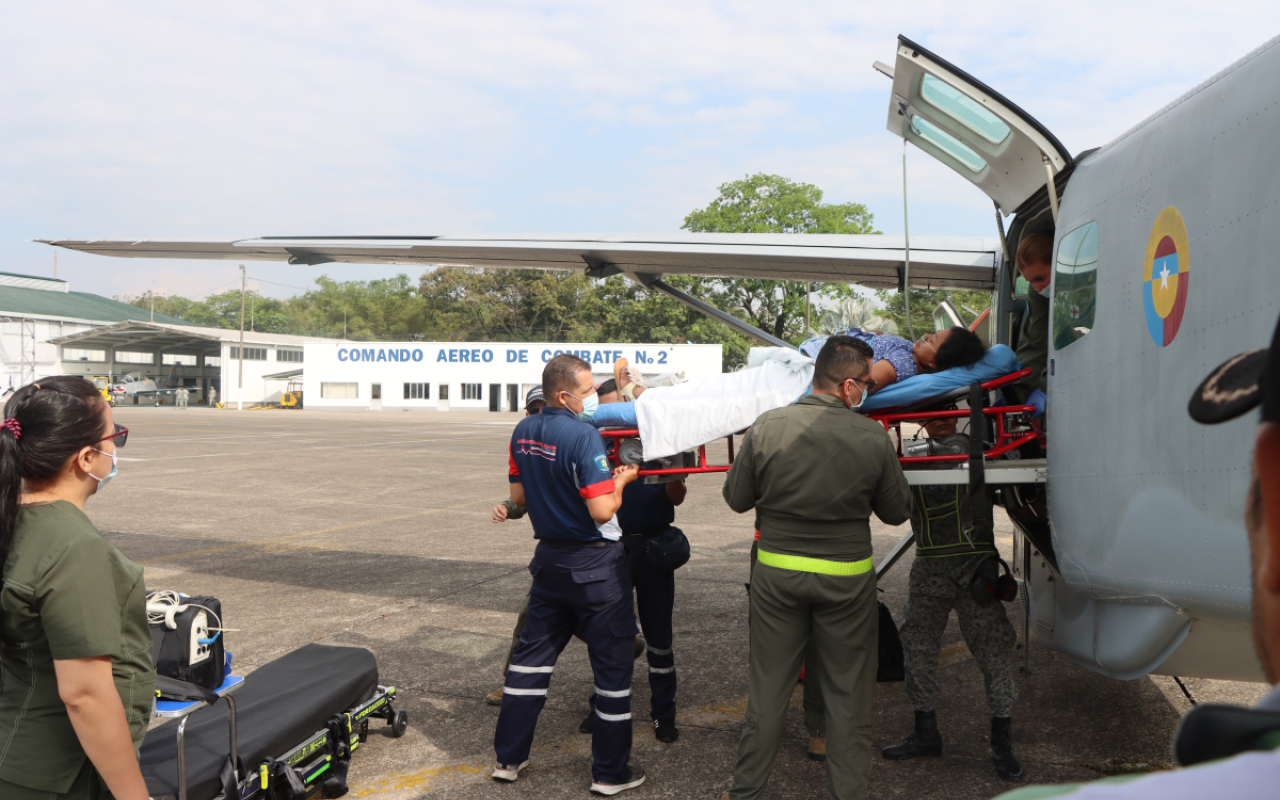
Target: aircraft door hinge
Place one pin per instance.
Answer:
(300, 257)
(599, 268)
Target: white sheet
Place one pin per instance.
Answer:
(673, 419)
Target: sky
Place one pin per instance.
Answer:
(149, 120)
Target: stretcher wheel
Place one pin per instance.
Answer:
(399, 723)
(630, 451)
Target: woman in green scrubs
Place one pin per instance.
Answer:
(77, 683)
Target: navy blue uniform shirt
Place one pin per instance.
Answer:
(646, 508)
(561, 462)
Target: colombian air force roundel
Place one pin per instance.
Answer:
(1166, 276)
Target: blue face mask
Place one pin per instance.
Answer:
(104, 481)
(589, 405)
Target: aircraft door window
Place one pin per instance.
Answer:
(964, 109)
(1075, 285)
(946, 143)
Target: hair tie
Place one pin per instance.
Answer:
(10, 424)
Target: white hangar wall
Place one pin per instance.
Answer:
(474, 376)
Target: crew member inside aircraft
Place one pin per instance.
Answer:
(1226, 751)
(815, 472)
(1035, 264)
(581, 577)
(956, 567)
(79, 682)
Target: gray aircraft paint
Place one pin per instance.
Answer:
(1145, 506)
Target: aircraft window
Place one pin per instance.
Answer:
(1075, 285)
(947, 143)
(964, 109)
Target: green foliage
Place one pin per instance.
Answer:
(763, 203)
(923, 301)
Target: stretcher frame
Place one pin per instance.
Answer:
(1011, 432)
(313, 757)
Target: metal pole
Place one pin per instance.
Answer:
(240, 387)
(808, 290)
(906, 250)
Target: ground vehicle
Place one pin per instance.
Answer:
(1134, 552)
(292, 395)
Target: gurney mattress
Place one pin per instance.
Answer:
(279, 706)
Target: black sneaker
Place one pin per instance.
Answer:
(588, 723)
(635, 777)
(665, 730)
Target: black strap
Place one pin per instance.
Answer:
(174, 689)
(979, 503)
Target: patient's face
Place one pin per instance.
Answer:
(939, 428)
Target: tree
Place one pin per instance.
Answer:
(764, 203)
(923, 301)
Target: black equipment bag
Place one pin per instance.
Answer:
(668, 550)
(279, 706)
(171, 649)
(892, 667)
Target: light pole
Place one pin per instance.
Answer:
(240, 386)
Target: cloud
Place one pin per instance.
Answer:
(156, 120)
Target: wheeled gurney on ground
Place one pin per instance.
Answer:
(288, 731)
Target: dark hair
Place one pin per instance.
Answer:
(561, 374)
(608, 386)
(56, 418)
(961, 348)
(841, 358)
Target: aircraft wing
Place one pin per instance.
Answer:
(870, 260)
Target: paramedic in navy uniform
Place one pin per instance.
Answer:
(581, 577)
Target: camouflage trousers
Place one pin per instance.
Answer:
(937, 586)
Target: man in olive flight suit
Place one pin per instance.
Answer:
(815, 472)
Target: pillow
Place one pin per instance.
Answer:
(998, 362)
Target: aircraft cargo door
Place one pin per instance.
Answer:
(970, 127)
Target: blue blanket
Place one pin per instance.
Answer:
(998, 361)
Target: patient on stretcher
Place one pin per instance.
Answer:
(673, 419)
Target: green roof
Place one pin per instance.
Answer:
(75, 305)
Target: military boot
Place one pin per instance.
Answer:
(1007, 766)
(925, 741)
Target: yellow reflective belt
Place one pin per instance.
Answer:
(818, 565)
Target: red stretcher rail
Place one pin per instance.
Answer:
(703, 467)
(1006, 439)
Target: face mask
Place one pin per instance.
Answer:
(589, 406)
(104, 481)
(853, 405)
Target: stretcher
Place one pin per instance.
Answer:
(288, 731)
(1010, 429)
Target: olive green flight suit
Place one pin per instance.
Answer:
(1033, 347)
(814, 472)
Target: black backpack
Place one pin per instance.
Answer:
(185, 653)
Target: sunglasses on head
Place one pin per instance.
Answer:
(118, 438)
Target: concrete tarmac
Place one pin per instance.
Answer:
(372, 529)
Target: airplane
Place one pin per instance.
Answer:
(1133, 549)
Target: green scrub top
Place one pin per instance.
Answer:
(67, 593)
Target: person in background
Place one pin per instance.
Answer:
(213, 395)
(560, 471)
(78, 683)
(950, 555)
(649, 511)
(815, 472)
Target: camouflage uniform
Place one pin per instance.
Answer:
(946, 559)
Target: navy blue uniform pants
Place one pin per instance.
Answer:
(655, 600)
(587, 587)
